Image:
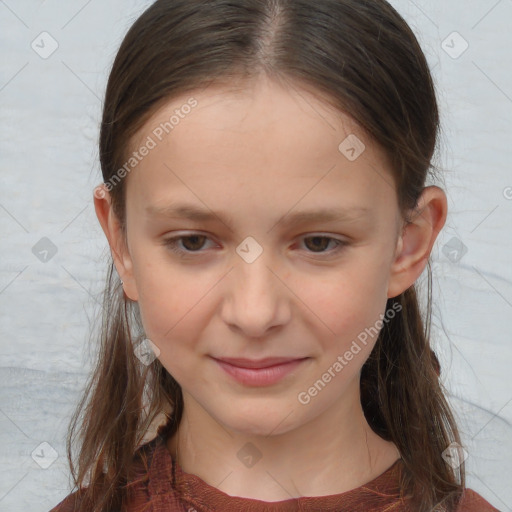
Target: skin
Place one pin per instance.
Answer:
(259, 154)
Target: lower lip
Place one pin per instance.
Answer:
(260, 376)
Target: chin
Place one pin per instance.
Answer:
(255, 421)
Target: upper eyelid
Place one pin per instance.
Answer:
(177, 238)
(311, 234)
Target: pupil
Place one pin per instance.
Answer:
(320, 239)
(194, 238)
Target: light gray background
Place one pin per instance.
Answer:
(50, 110)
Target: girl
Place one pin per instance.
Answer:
(264, 199)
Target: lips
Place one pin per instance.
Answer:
(259, 372)
(258, 363)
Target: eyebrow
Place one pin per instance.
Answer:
(195, 213)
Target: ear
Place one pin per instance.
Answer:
(116, 239)
(417, 239)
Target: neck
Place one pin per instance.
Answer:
(332, 454)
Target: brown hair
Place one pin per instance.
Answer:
(363, 58)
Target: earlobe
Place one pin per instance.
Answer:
(116, 239)
(417, 239)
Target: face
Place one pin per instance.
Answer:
(253, 276)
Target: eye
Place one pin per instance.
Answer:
(190, 243)
(194, 243)
(318, 243)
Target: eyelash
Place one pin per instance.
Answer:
(172, 244)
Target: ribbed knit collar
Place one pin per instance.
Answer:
(167, 478)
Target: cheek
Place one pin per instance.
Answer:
(346, 303)
(172, 321)
(174, 304)
(336, 306)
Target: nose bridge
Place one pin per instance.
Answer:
(253, 275)
(255, 295)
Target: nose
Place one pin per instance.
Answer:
(255, 298)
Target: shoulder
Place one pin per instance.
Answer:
(136, 488)
(473, 502)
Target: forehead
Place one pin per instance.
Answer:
(262, 144)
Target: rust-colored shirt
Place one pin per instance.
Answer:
(160, 485)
